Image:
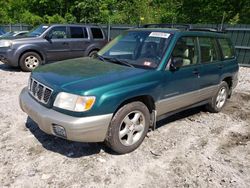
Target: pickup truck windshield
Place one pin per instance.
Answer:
(37, 31)
(139, 48)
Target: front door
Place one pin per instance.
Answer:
(181, 86)
(57, 44)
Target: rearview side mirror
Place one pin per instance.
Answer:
(176, 63)
(47, 37)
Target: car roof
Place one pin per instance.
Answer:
(80, 25)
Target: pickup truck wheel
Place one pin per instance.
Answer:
(128, 127)
(219, 100)
(93, 54)
(30, 61)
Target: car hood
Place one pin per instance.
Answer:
(82, 74)
(18, 38)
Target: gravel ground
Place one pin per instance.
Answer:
(191, 149)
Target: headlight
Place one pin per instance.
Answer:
(73, 102)
(5, 43)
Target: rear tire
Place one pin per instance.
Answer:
(128, 128)
(29, 61)
(220, 98)
(93, 54)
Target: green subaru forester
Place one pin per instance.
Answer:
(140, 77)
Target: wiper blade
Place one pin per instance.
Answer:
(119, 61)
(114, 60)
(101, 57)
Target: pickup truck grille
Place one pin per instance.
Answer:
(39, 91)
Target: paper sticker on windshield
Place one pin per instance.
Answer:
(45, 27)
(159, 34)
(147, 63)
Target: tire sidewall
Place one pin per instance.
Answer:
(93, 54)
(113, 133)
(215, 108)
(22, 61)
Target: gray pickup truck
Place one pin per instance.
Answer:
(48, 43)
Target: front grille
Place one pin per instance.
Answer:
(39, 91)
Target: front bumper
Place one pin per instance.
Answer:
(7, 56)
(82, 129)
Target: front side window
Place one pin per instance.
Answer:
(186, 49)
(227, 49)
(209, 50)
(58, 33)
(143, 49)
(77, 32)
(97, 33)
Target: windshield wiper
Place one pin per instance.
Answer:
(101, 57)
(119, 61)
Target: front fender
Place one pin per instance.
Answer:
(111, 100)
(29, 47)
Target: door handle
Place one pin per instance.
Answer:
(65, 43)
(220, 66)
(196, 72)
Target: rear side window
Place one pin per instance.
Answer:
(209, 50)
(227, 49)
(97, 33)
(78, 32)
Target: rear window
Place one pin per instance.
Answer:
(78, 32)
(97, 33)
(227, 49)
(209, 50)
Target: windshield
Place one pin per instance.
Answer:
(139, 48)
(37, 31)
(1, 32)
(8, 34)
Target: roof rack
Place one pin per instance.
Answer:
(168, 25)
(207, 29)
(187, 27)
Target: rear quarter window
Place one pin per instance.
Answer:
(227, 49)
(97, 33)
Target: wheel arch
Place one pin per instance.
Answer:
(229, 81)
(94, 49)
(150, 104)
(145, 99)
(30, 50)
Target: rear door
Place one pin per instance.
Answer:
(211, 68)
(57, 44)
(79, 41)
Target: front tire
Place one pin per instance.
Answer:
(29, 61)
(220, 98)
(128, 127)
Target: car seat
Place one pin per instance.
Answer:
(181, 50)
(150, 50)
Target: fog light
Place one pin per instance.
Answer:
(59, 131)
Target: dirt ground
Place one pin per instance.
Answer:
(191, 149)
